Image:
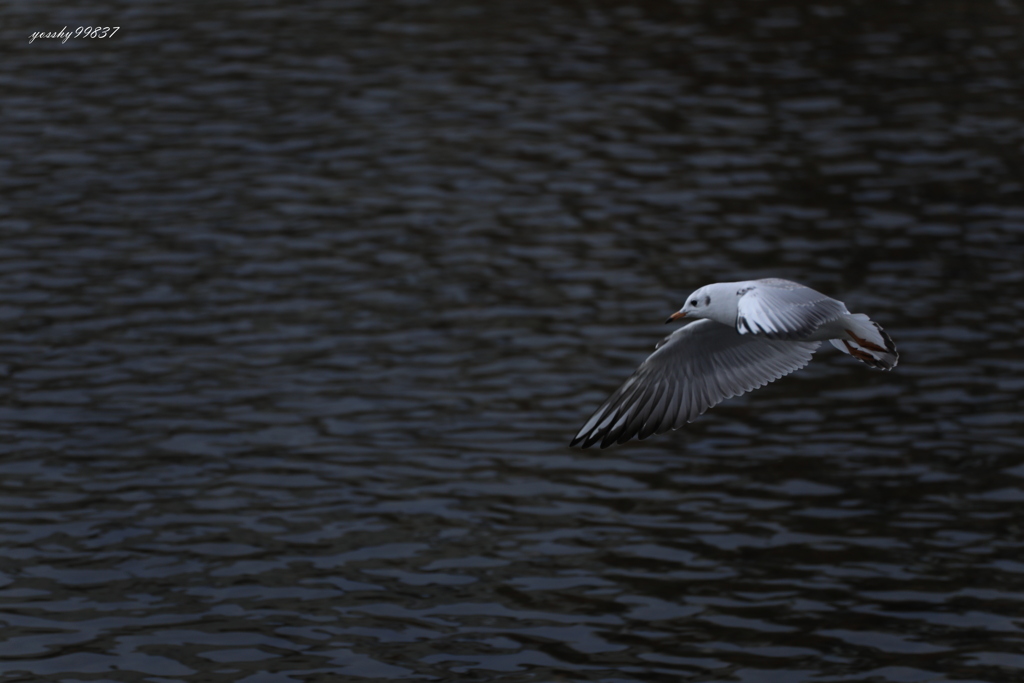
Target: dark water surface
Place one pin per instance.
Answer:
(301, 304)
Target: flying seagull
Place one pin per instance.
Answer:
(745, 335)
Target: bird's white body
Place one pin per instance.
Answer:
(746, 334)
(740, 305)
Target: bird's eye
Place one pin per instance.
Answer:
(693, 302)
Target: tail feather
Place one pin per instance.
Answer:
(866, 341)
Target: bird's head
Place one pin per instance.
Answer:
(695, 307)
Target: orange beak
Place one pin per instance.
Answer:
(678, 315)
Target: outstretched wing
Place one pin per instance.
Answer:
(780, 309)
(694, 368)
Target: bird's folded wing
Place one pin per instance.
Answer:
(694, 368)
(780, 309)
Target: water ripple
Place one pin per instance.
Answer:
(301, 306)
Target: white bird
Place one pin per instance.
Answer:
(746, 335)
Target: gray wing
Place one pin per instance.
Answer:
(780, 309)
(694, 368)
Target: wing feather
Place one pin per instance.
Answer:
(693, 369)
(780, 309)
